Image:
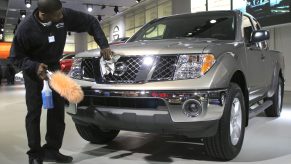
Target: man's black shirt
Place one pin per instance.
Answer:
(32, 46)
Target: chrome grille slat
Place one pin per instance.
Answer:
(88, 68)
(165, 68)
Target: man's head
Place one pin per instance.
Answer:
(50, 10)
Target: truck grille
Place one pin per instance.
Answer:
(164, 70)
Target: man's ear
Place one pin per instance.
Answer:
(42, 14)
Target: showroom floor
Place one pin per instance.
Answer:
(267, 140)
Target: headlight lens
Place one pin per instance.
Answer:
(193, 66)
(76, 71)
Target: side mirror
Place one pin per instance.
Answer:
(259, 36)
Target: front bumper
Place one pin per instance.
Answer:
(151, 111)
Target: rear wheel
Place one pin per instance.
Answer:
(227, 142)
(276, 109)
(95, 135)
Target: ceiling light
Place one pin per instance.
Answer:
(116, 9)
(23, 13)
(99, 18)
(137, 1)
(27, 3)
(2, 29)
(90, 7)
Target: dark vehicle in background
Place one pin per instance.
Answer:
(119, 41)
(66, 62)
(258, 8)
(264, 8)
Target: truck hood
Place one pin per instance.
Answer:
(158, 47)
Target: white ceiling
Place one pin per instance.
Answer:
(14, 7)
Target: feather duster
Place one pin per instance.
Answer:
(66, 87)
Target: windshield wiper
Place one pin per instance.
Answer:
(193, 38)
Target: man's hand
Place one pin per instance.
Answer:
(41, 71)
(106, 53)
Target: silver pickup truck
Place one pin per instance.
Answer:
(200, 75)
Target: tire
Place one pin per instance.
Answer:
(276, 109)
(95, 135)
(223, 146)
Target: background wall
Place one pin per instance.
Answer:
(281, 40)
(70, 43)
(181, 6)
(80, 42)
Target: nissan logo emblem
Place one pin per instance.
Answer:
(120, 69)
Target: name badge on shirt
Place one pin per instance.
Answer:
(51, 39)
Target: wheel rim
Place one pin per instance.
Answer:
(279, 98)
(235, 121)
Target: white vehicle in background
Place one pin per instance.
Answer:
(19, 77)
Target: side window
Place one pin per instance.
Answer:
(256, 24)
(247, 28)
(156, 32)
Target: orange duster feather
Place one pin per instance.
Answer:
(66, 87)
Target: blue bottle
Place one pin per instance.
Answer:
(47, 96)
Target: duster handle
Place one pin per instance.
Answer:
(49, 74)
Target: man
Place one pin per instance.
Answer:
(38, 45)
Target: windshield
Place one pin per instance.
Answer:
(192, 26)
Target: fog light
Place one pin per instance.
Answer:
(192, 108)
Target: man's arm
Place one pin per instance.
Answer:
(81, 22)
(18, 55)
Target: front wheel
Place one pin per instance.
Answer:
(227, 142)
(95, 135)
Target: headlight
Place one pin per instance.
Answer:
(193, 66)
(76, 71)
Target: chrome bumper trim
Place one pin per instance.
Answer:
(212, 102)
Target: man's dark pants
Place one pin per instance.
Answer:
(55, 118)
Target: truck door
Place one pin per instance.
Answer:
(268, 64)
(255, 62)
